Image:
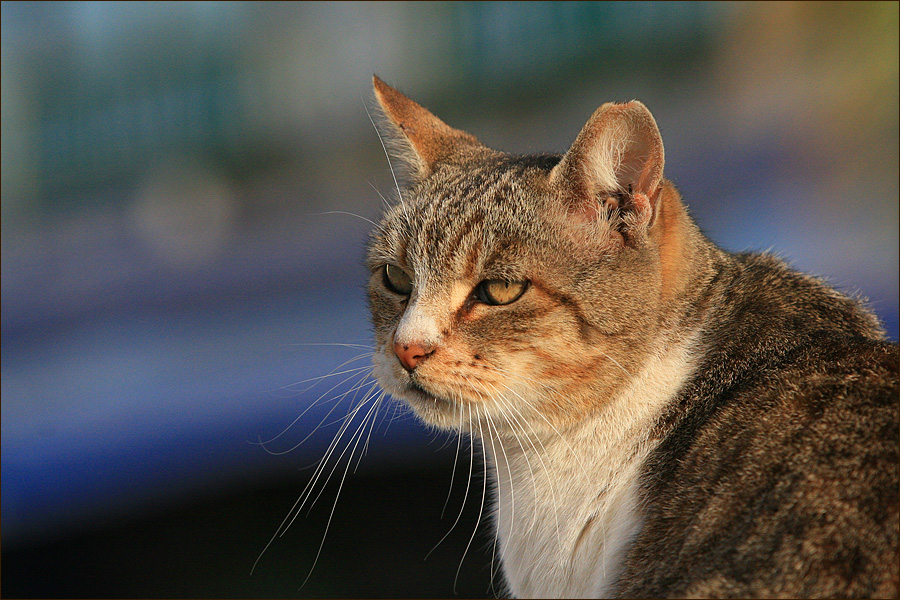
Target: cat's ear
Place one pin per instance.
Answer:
(616, 162)
(424, 139)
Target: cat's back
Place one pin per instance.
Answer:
(776, 474)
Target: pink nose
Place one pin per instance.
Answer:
(411, 355)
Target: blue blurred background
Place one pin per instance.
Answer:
(178, 188)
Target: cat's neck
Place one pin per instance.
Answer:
(688, 264)
(566, 496)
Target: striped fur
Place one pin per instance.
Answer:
(640, 379)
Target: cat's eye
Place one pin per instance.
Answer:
(397, 280)
(497, 291)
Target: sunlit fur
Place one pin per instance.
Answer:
(560, 386)
(602, 394)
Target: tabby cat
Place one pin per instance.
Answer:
(661, 417)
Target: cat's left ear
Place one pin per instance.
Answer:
(424, 139)
(616, 161)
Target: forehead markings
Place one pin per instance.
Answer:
(471, 262)
(444, 235)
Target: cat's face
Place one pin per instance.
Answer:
(495, 305)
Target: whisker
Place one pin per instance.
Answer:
(301, 499)
(480, 511)
(343, 212)
(384, 201)
(365, 448)
(561, 438)
(314, 482)
(499, 441)
(489, 423)
(386, 153)
(499, 398)
(340, 488)
(357, 435)
(540, 455)
(468, 487)
(354, 388)
(453, 472)
(304, 495)
(316, 380)
(334, 345)
(614, 361)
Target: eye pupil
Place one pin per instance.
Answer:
(497, 292)
(397, 280)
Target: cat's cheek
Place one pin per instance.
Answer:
(385, 372)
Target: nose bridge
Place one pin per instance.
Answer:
(421, 322)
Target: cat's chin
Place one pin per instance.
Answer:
(431, 408)
(413, 392)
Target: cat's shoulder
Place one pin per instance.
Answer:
(793, 469)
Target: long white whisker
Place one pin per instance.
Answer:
(354, 388)
(365, 448)
(358, 437)
(493, 448)
(317, 400)
(314, 482)
(468, 487)
(453, 472)
(489, 423)
(509, 405)
(334, 345)
(311, 484)
(343, 212)
(384, 201)
(480, 510)
(298, 504)
(614, 361)
(315, 380)
(384, 147)
(541, 415)
(539, 453)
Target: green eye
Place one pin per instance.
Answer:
(497, 291)
(397, 280)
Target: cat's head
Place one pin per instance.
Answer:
(517, 292)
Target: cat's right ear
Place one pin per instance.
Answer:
(424, 140)
(615, 162)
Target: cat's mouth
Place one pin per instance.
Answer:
(415, 391)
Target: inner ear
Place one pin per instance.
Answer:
(616, 162)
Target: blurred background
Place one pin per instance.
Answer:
(179, 249)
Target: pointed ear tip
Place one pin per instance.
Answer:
(381, 88)
(641, 107)
(634, 106)
(637, 112)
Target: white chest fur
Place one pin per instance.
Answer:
(568, 505)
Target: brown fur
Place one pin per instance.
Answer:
(761, 404)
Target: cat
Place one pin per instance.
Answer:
(661, 418)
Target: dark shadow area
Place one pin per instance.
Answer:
(384, 526)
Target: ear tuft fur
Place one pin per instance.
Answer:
(615, 166)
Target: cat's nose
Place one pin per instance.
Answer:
(411, 355)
